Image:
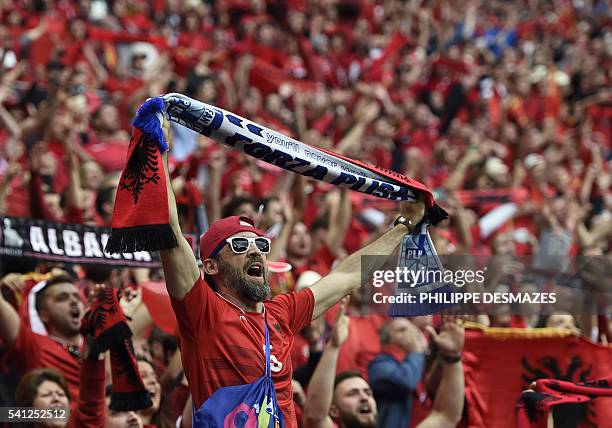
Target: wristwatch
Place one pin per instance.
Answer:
(403, 220)
(450, 359)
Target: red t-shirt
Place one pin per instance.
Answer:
(300, 351)
(32, 351)
(320, 262)
(109, 155)
(223, 346)
(363, 343)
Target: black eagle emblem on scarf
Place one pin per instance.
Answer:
(568, 415)
(141, 168)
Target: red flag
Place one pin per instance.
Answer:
(501, 363)
(156, 299)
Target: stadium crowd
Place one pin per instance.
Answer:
(503, 108)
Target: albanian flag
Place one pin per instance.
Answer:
(501, 363)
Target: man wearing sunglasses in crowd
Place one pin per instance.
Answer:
(223, 315)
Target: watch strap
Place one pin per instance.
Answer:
(451, 359)
(404, 221)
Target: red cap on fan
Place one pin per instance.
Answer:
(222, 229)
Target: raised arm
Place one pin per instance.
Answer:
(75, 190)
(90, 411)
(180, 267)
(138, 317)
(5, 184)
(9, 319)
(461, 224)
(340, 219)
(455, 180)
(448, 404)
(7, 119)
(216, 166)
(97, 66)
(600, 231)
(280, 243)
(366, 112)
(38, 208)
(347, 275)
(321, 386)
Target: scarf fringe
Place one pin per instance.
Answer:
(147, 120)
(133, 400)
(151, 237)
(114, 336)
(505, 333)
(436, 214)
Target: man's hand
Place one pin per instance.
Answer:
(472, 156)
(451, 337)
(217, 160)
(369, 112)
(13, 281)
(130, 301)
(96, 292)
(166, 129)
(340, 329)
(414, 340)
(11, 171)
(448, 404)
(299, 396)
(287, 209)
(413, 211)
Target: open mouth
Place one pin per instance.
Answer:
(256, 270)
(75, 314)
(365, 409)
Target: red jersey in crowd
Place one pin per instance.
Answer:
(320, 262)
(363, 343)
(221, 345)
(32, 351)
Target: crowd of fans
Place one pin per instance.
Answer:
(503, 108)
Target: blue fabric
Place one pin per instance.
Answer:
(243, 406)
(185, 142)
(393, 384)
(417, 253)
(148, 122)
(498, 39)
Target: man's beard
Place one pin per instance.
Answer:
(349, 420)
(237, 280)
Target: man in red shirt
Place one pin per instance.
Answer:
(221, 317)
(60, 309)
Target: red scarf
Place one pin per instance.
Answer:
(533, 407)
(107, 324)
(141, 220)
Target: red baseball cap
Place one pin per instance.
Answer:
(222, 229)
